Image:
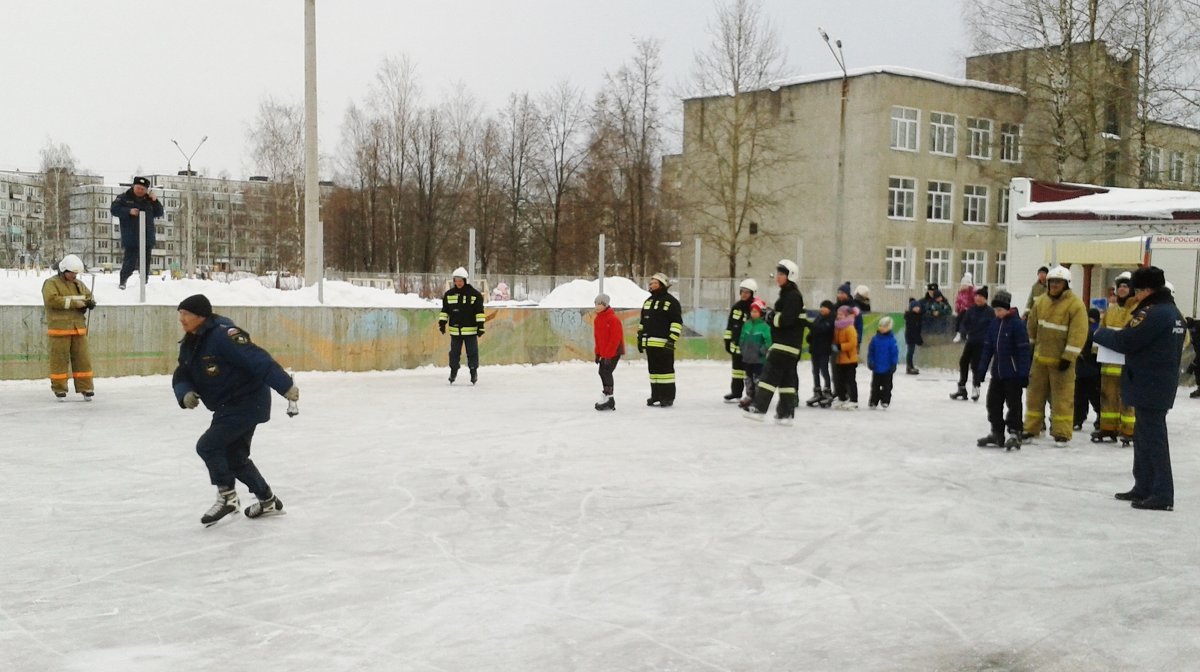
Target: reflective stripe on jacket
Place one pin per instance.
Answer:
(58, 295)
(1057, 327)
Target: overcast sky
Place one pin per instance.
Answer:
(118, 80)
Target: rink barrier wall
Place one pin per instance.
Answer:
(143, 340)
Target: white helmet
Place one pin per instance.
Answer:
(71, 263)
(662, 279)
(862, 291)
(460, 272)
(749, 284)
(793, 271)
(1059, 273)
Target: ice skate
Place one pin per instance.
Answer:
(652, 402)
(61, 396)
(1195, 394)
(975, 393)
(607, 404)
(453, 375)
(912, 371)
(1126, 441)
(666, 403)
(474, 376)
(1104, 435)
(884, 405)
(850, 406)
(1013, 442)
(227, 503)
(815, 399)
(732, 397)
(754, 414)
(960, 393)
(990, 441)
(826, 398)
(87, 396)
(271, 506)
(1061, 442)
(785, 420)
(1027, 438)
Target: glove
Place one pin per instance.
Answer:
(1025, 381)
(1064, 364)
(958, 338)
(442, 327)
(78, 304)
(191, 399)
(90, 304)
(480, 333)
(641, 345)
(293, 394)
(598, 358)
(729, 346)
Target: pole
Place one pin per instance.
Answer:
(471, 253)
(143, 253)
(600, 263)
(696, 278)
(840, 205)
(314, 263)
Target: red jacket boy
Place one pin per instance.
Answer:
(610, 345)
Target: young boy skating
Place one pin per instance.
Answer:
(1006, 350)
(610, 345)
(882, 357)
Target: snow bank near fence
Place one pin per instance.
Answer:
(582, 294)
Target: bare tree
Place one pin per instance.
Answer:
(276, 140)
(394, 102)
(58, 168)
(518, 141)
(561, 154)
(427, 147)
(732, 138)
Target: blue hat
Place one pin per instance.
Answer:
(845, 288)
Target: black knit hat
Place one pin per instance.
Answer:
(827, 304)
(982, 291)
(1150, 277)
(1003, 300)
(197, 304)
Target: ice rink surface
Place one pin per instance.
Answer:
(511, 527)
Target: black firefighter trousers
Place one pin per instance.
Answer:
(779, 375)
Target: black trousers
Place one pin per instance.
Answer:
(225, 449)
(738, 383)
(969, 358)
(881, 388)
(779, 375)
(1152, 456)
(1001, 393)
(845, 383)
(820, 371)
(130, 263)
(753, 375)
(607, 366)
(1087, 391)
(456, 347)
(912, 350)
(661, 363)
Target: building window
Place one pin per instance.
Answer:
(1002, 268)
(896, 267)
(904, 128)
(979, 142)
(1152, 164)
(902, 197)
(937, 266)
(942, 128)
(940, 202)
(1010, 143)
(975, 263)
(1002, 212)
(975, 204)
(1177, 163)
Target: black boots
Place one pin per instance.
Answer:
(961, 393)
(815, 399)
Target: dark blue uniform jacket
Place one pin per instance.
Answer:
(231, 374)
(1006, 349)
(129, 232)
(1153, 344)
(973, 323)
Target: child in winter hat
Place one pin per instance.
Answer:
(845, 343)
(754, 343)
(882, 357)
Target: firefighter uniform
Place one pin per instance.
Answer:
(1115, 416)
(733, 336)
(659, 330)
(787, 335)
(462, 316)
(1058, 329)
(67, 303)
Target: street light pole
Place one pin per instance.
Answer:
(189, 248)
(314, 248)
(840, 204)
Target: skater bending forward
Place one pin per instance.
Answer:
(218, 365)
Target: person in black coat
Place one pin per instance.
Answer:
(820, 349)
(913, 319)
(127, 208)
(463, 314)
(1007, 354)
(787, 323)
(1152, 343)
(660, 328)
(972, 326)
(738, 314)
(1087, 375)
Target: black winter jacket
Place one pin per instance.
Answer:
(733, 327)
(1153, 344)
(788, 320)
(129, 232)
(462, 309)
(820, 335)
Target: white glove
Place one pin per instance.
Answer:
(293, 394)
(191, 399)
(957, 338)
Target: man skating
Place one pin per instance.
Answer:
(1057, 328)
(462, 313)
(67, 301)
(659, 330)
(787, 324)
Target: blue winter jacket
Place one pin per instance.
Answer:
(120, 208)
(1006, 350)
(882, 353)
(973, 323)
(1153, 345)
(233, 376)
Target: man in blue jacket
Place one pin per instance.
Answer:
(127, 207)
(233, 377)
(1153, 344)
(1006, 351)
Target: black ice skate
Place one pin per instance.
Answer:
(227, 503)
(1126, 441)
(87, 396)
(815, 399)
(732, 397)
(754, 414)
(961, 393)
(826, 398)
(912, 371)
(990, 441)
(474, 376)
(272, 506)
(975, 393)
(1104, 435)
(1013, 442)
(609, 404)
(453, 375)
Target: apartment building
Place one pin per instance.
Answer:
(28, 234)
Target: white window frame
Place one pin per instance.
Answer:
(895, 263)
(939, 203)
(979, 138)
(898, 188)
(975, 204)
(1003, 211)
(975, 263)
(1002, 269)
(937, 265)
(1152, 164)
(1010, 142)
(943, 133)
(1176, 167)
(906, 128)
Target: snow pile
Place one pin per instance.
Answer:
(1121, 202)
(582, 294)
(25, 288)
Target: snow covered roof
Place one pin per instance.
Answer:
(899, 71)
(1119, 203)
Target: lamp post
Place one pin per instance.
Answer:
(840, 204)
(189, 248)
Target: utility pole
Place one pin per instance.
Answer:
(190, 247)
(839, 222)
(314, 262)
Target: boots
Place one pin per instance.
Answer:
(815, 399)
(606, 404)
(961, 393)
(991, 440)
(227, 503)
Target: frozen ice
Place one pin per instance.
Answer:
(509, 526)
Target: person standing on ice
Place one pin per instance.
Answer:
(127, 207)
(882, 357)
(1057, 327)
(1116, 418)
(462, 313)
(738, 314)
(787, 322)
(218, 365)
(609, 336)
(1152, 343)
(754, 345)
(820, 350)
(973, 324)
(1038, 289)
(67, 301)
(659, 330)
(1007, 353)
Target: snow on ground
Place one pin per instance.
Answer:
(624, 293)
(511, 527)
